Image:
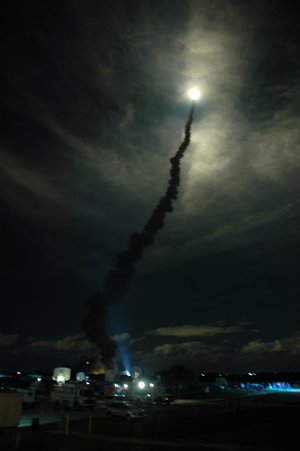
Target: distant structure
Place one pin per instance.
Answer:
(61, 375)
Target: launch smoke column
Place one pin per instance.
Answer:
(95, 321)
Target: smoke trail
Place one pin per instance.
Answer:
(95, 322)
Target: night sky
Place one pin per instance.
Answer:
(93, 106)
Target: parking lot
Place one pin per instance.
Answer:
(259, 422)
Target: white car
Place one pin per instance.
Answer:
(124, 410)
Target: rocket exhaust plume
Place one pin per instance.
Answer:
(116, 282)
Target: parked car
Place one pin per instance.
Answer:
(164, 399)
(124, 410)
(108, 399)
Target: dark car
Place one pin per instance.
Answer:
(164, 399)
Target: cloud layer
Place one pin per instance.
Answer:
(194, 331)
(7, 340)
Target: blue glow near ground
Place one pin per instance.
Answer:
(286, 390)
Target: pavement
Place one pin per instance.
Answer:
(51, 416)
(265, 422)
(165, 443)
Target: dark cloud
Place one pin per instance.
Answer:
(194, 330)
(70, 343)
(7, 340)
(285, 345)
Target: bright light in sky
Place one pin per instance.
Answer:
(194, 94)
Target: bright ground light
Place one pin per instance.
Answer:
(194, 94)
